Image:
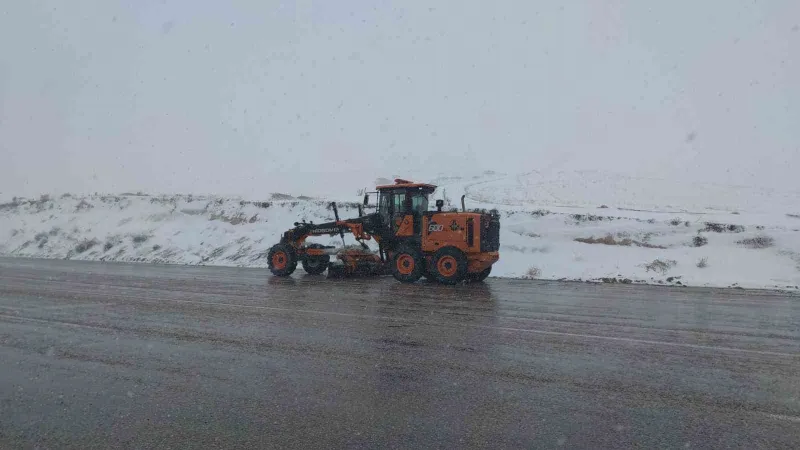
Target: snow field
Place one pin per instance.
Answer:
(544, 234)
(177, 229)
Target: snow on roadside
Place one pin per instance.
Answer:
(538, 239)
(169, 229)
(636, 250)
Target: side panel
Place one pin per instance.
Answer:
(451, 229)
(405, 226)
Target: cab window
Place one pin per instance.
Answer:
(385, 202)
(419, 203)
(399, 202)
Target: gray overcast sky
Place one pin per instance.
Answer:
(254, 96)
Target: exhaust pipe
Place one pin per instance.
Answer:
(463, 208)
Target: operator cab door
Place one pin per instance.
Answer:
(399, 208)
(396, 205)
(386, 212)
(419, 205)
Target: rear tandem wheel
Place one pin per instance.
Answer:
(449, 265)
(408, 264)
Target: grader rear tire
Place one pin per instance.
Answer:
(449, 265)
(408, 264)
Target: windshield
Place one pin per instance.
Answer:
(419, 203)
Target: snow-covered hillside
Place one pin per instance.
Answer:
(574, 225)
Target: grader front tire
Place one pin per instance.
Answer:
(282, 260)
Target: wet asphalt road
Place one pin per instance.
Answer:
(138, 356)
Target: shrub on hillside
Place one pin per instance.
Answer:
(661, 266)
(722, 228)
(83, 205)
(140, 238)
(757, 242)
(533, 273)
(85, 245)
(111, 242)
(699, 241)
(42, 239)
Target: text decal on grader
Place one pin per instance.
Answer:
(413, 242)
(433, 227)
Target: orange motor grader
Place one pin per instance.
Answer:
(413, 242)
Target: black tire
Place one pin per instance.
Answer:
(480, 276)
(315, 265)
(282, 260)
(449, 265)
(407, 264)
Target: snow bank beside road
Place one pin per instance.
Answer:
(172, 229)
(625, 249)
(715, 248)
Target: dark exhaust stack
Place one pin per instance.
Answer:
(463, 208)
